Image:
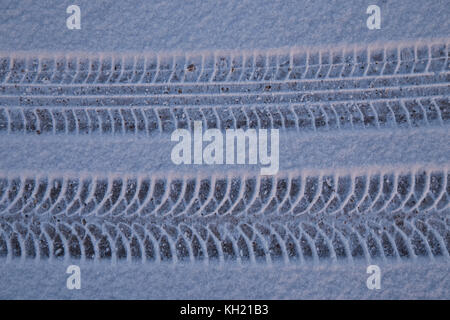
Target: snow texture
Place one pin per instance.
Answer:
(86, 176)
(196, 25)
(403, 280)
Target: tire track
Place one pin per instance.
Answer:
(175, 196)
(85, 169)
(349, 239)
(270, 65)
(356, 114)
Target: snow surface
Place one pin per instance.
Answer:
(399, 280)
(319, 151)
(180, 25)
(160, 25)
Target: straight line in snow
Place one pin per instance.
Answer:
(224, 83)
(263, 94)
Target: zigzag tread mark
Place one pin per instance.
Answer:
(403, 113)
(244, 242)
(271, 65)
(420, 190)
